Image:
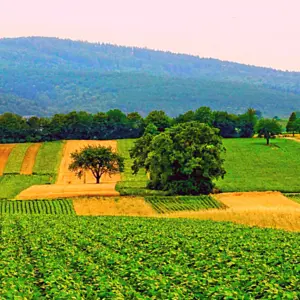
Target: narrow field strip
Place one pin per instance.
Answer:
(15, 159)
(29, 159)
(5, 151)
(113, 206)
(183, 203)
(43, 207)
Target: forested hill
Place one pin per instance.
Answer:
(44, 76)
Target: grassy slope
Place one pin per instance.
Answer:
(252, 166)
(141, 258)
(295, 197)
(15, 160)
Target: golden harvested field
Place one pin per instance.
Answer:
(119, 206)
(29, 159)
(67, 177)
(263, 209)
(5, 150)
(68, 185)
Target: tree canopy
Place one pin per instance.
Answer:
(268, 128)
(97, 159)
(185, 159)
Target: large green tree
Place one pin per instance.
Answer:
(184, 159)
(290, 127)
(268, 128)
(97, 159)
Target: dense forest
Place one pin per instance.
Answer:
(44, 76)
(115, 124)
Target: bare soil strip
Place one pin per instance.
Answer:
(5, 151)
(29, 159)
(68, 185)
(119, 206)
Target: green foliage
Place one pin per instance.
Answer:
(159, 119)
(99, 160)
(295, 197)
(140, 258)
(15, 159)
(268, 128)
(180, 203)
(40, 207)
(132, 184)
(251, 166)
(290, 126)
(48, 159)
(182, 160)
(42, 76)
(12, 185)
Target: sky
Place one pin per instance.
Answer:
(257, 32)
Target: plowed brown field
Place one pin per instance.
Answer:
(68, 185)
(29, 159)
(5, 151)
(120, 206)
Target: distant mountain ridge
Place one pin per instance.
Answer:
(54, 75)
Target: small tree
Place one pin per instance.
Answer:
(268, 128)
(290, 127)
(97, 159)
(297, 125)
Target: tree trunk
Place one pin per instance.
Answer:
(98, 179)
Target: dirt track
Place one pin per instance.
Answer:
(68, 185)
(29, 159)
(5, 151)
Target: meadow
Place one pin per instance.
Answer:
(143, 258)
(253, 166)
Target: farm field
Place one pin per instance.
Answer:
(67, 184)
(130, 258)
(29, 159)
(5, 151)
(16, 158)
(252, 166)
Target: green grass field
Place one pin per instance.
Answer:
(15, 159)
(253, 166)
(295, 197)
(171, 204)
(250, 166)
(69, 257)
(40, 207)
(48, 158)
(12, 185)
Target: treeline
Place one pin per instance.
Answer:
(114, 124)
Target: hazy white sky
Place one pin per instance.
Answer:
(259, 32)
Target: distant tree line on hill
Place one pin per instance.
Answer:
(115, 124)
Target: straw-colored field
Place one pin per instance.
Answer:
(118, 206)
(5, 150)
(263, 209)
(29, 159)
(68, 185)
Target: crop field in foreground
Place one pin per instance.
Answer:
(253, 166)
(183, 203)
(37, 207)
(137, 258)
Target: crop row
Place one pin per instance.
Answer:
(37, 207)
(69, 257)
(180, 203)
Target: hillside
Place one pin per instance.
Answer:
(42, 76)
